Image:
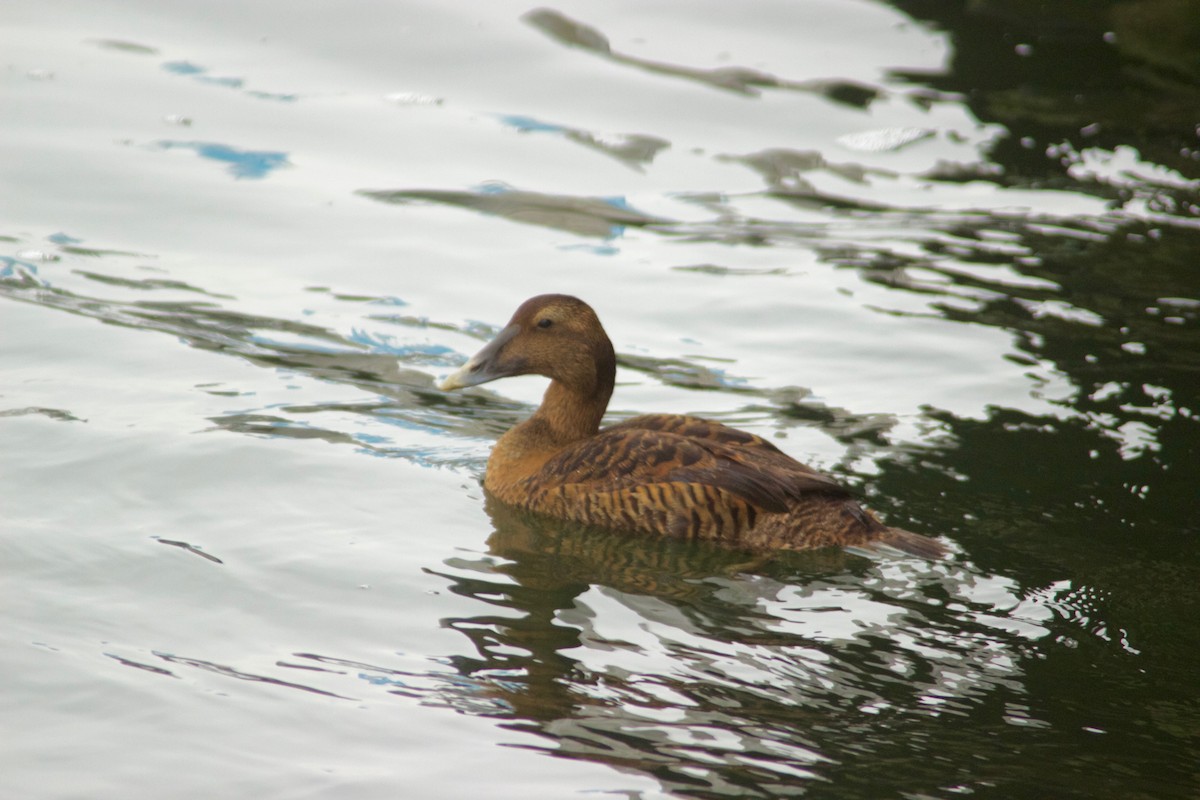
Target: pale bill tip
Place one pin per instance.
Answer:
(454, 380)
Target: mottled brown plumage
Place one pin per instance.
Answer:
(661, 474)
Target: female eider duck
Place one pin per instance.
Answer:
(662, 474)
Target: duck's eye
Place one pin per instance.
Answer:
(545, 323)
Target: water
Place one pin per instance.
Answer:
(949, 257)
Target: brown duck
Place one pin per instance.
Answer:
(663, 474)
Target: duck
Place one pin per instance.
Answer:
(658, 474)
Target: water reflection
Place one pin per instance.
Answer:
(1095, 75)
(201, 74)
(635, 150)
(1056, 652)
(384, 355)
(742, 80)
(725, 674)
(124, 47)
(603, 217)
(1064, 289)
(1081, 308)
(221, 669)
(251, 164)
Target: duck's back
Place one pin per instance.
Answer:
(685, 476)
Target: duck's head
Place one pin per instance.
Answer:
(554, 335)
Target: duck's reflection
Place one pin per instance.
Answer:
(654, 653)
(547, 554)
(713, 669)
(545, 566)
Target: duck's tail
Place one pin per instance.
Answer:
(914, 544)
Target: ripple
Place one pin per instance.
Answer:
(583, 216)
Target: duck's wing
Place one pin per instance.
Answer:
(756, 448)
(706, 430)
(644, 478)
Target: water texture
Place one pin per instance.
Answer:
(946, 252)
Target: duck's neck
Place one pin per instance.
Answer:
(567, 414)
(570, 412)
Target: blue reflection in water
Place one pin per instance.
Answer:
(423, 352)
(283, 97)
(62, 238)
(13, 269)
(372, 438)
(242, 163)
(231, 82)
(530, 125)
(196, 71)
(389, 301)
(183, 68)
(594, 249)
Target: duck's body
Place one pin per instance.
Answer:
(661, 474)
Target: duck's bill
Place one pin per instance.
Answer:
(467, 375)
(486, 365)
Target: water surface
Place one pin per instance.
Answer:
(948, 256)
